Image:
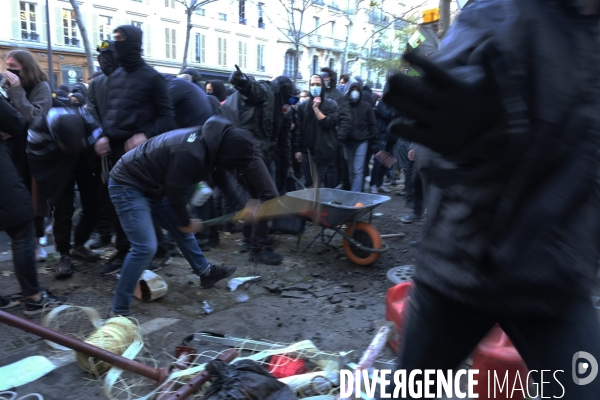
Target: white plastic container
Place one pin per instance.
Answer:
(202, 193)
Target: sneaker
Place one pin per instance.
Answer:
(246, 247)
(160, 261)
(33, 307)
(7, 302)
(410, 218)
(111, 314)
(63, 269)
(114, 264)
(215, 274)
(84, 254)
(266, 256)
(99, 241)
(40, 254)
(43, 241)
(374, 190)
(384, 189)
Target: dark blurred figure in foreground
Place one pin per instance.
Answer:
(510, 164)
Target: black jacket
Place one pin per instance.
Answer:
(344, 125)
(96, 99)
(384, 114)
(192, 107)
(169, 164)
(364, 126)
(320, 137)
(15, 200)
(215, 105)
(137, 102)
(513, 216)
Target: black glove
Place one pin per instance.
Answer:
(238, 79)
(444, 113)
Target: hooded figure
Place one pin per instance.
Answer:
(218, 90)
(129, 50)
(316, 130)
(195, 74)
(192, 107)
(344, 125)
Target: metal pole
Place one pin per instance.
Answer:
(158, 375)
(50, 66)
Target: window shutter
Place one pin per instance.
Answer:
(174, 43)
(203, 56)
(167, 44)
(94, 29)
(219, 52)
(240, 53)
(59, 37)
(224, 52)
(245, 55)
(15, 7)
(147, 29)
(40, 16)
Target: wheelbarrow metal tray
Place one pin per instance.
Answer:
(337, 206)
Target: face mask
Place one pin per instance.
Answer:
(354, 95)
(326, 83)
(303, 99)
(315, 91)
(14, 71)
(341, 87)
(129, 53)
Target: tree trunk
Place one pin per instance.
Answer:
(296, 59)
(346, 48)
(187, 39)
(84, 36)
(444, 18)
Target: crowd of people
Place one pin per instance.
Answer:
(133, 142)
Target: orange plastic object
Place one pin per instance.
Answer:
(359, 205)
(496, 353)
(396, 306)
(283, 366)
(431, 15)
(362, 257)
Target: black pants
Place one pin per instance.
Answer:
(64, 208)
(258, 181)
(378, 169)
(440, 333)
(23, 249)
(326, 173)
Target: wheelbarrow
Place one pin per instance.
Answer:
(362, 242)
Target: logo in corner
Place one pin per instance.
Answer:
(192, 137)
(580, 368)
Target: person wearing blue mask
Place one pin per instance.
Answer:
(316, 131)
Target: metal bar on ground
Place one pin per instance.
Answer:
(392, 235)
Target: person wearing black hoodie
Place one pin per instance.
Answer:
(217, 88)
(316, 132)
(138, 107)
(362, 135)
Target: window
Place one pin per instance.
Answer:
(243, 51)
(260, 57)
(200, 11)
(222, 52)
(261, 22)
(170, 3)
(290, 63)
(242, 10)
(317, 24)
(28, 22)
(104, 27)
(70, 27)
(137, 24)
(200, 46)
(331, 62)
(223, 16)
(315, 65)
(170, 43)
(332, 29)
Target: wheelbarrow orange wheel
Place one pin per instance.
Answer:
(368, 236)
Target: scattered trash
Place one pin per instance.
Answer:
(206, 307)
(378, 215)
(235, 282)
(242, 298)
(150, 287)
(7, 273)
(282, 366)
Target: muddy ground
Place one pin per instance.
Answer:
(327, 300)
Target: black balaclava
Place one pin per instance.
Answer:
(218, 90)
(108, 59)
(236, 149)
(129, 50)
(285, 90)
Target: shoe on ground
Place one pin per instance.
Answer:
(7, 302)
(64, 268)
(111, 314)
(99, 241)
(160, 261)
(384, 189)
(265, 256)
(113, 264)
(402, 193)
(48, 300)
(246, 247)
(374, 190)
(270, 240)
(400, 181)
(84, 254)
(340, 186)
(410, 218)
(216, 273)
(40, 254)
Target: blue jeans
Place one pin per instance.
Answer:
(135, 213)
(355, 154)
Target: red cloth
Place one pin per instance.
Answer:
(283, 366)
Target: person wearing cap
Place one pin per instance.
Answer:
(157, 179)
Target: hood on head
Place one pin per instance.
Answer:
(322, 86)
(353, 83)
(219, 90)
(132, 34)
(195, 74)
(332, 77)
(226, 146)
(129, 50)
(286, 87)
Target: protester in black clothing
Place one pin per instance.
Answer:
(316, 131)
(217, 88)
(386, 142)
(195, 75)
(510, 164)
(16, 218)
(191, 104)
(138, 107)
